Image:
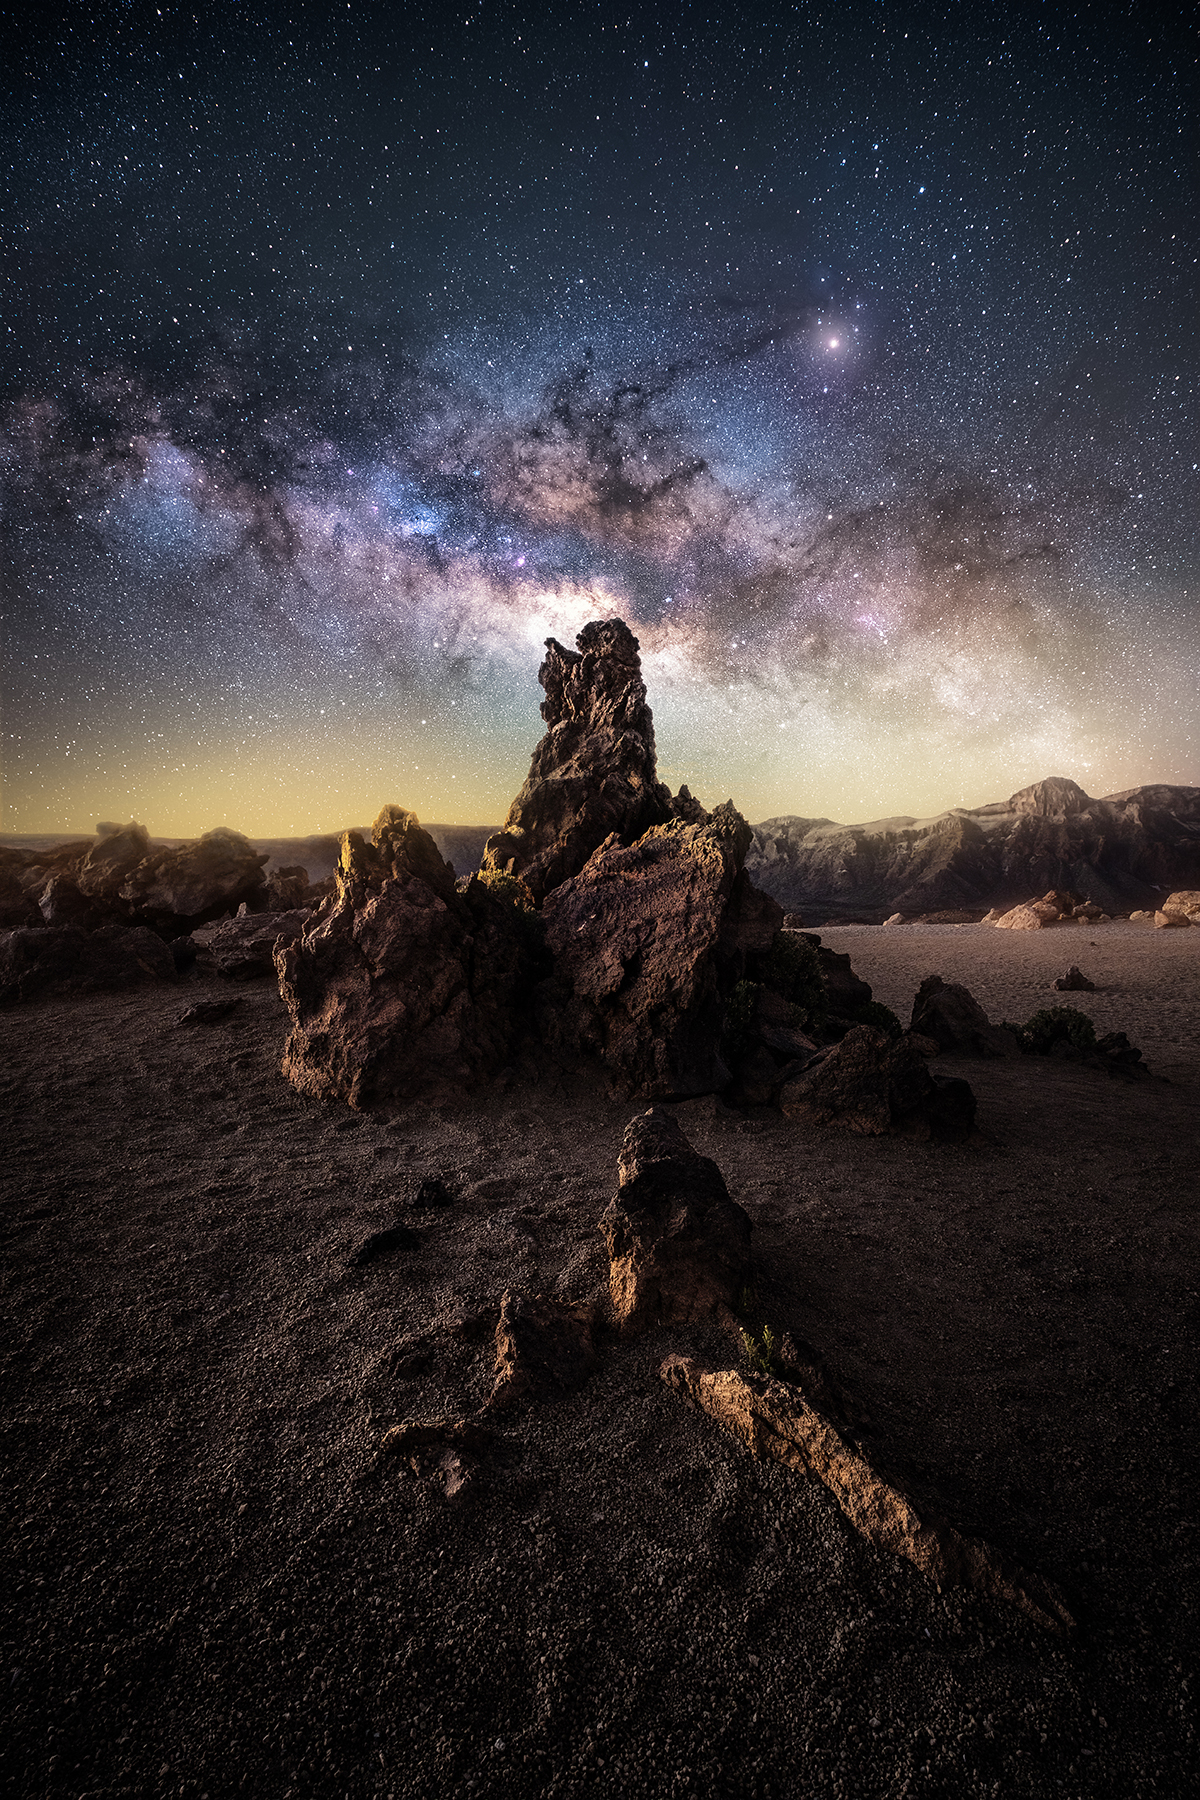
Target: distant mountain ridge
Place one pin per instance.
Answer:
(1123, 851)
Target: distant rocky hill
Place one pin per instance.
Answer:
(1123, 851)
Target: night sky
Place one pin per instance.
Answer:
(846, 350)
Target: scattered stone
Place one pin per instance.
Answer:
(776, 1421)
(447, 1453)
(243, 949)
(544, 1348)
(1168, 921)
(896, 919)
(1075, 982)
(431, 1194)
(1140, 918)
(954, 1019)
(993, 916)
(207, 1012)
(383, 1243)
(678, 1246)
(68, 960)
(870, 1084)
(1021, 918)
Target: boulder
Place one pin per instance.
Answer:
(544, 1348)
(1074, 982)
(647, 940)
(1169, 921)
(593, 775)
(896, 919)
(448, 1454)
(778, 1421)
(287, 890)
(1021, 918)
(846, 991)
(1185, 901)
(954, 1019)
(68, 960)
(244, 948)
(678, 1246)
(873, 1085)
(407, 988)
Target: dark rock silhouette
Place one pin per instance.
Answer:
(1121, 852)
(678, 1246)
(68, 960)
(593, 774)
(1075, 982)
(874, 1085)
(544, 1348)
(954, 1019)
(407, 987)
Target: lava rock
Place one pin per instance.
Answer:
(1074, 982)
(207, 1012)
(678, 1246)
(954, 1019)
(544, 1348)
(874, 1085)
(243, 949)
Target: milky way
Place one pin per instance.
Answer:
(850, 359)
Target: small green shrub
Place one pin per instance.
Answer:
(1053, 1023)
(873, 1012)
(792, 968)
(762, 1353)
(508, 887)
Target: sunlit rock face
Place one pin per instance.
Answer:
(407, 988)
(1123, 851)
(594, 773)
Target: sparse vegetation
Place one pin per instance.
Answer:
(792, 968)
(1053, 1024)
(882, 1018)
(761, 1352)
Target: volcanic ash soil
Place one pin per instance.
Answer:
(218, 1580)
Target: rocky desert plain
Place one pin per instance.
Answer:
(555, 1333)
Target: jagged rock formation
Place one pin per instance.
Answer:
(120, 877)
(678, 1246)
(647, 943)
(407, 988)
(594, 773)
(1123, 851)
(778, 1421)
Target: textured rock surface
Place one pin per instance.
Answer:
(120, 877)
(447, 1453)
(593, 773)
(678, 1246)
(544, 1348)
(873, 1085)
(243, 948)
(954, 1019)
(647, 940)
(1185, 901)
(1021, 918)
(68, 960)
(776, 1420)
(407, 988)
(1121, 851)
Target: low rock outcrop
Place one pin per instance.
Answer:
(678, 1246)
(954, 1019)
(243, 949)
(874, 1085)
(544, 1348)
(407, 988)
(777, 1421)
(68, 960)
(1075, 982)
(120, 877)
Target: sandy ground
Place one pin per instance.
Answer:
(215, 1584)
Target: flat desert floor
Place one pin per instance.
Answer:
(216, 1583)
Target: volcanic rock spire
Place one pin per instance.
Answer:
(593, 773)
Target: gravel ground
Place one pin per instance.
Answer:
(217, 1584)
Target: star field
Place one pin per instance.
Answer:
(848, 353)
